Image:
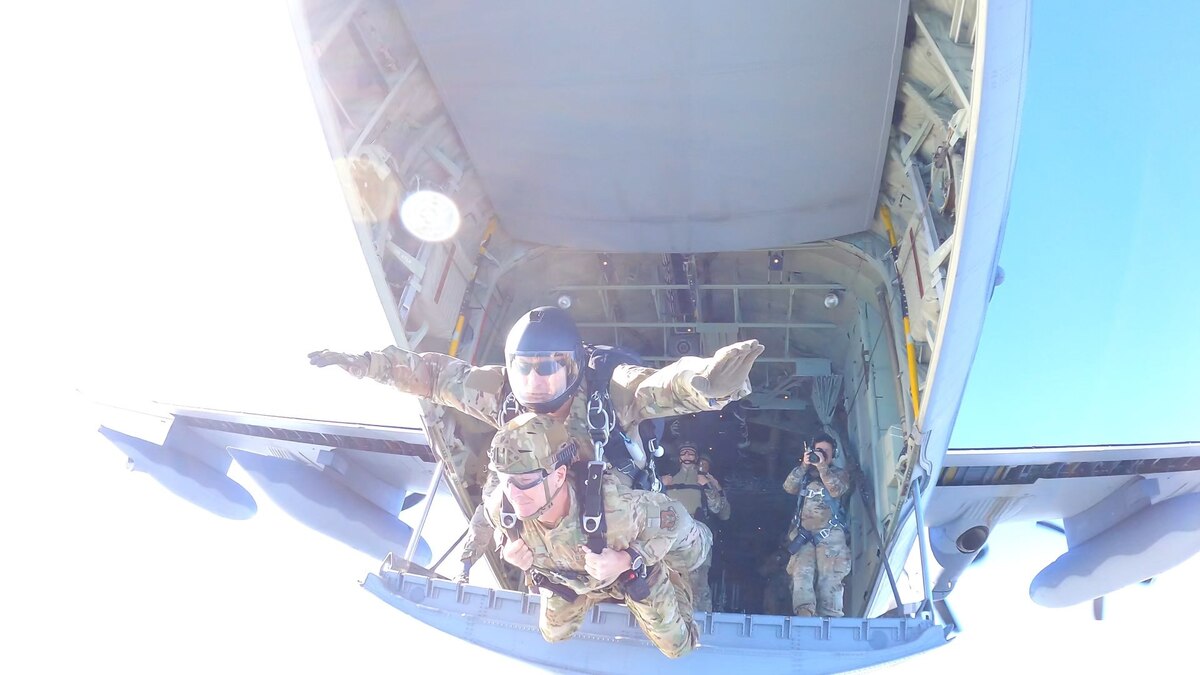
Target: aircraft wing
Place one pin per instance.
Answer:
(348, 481)
(1129, 512)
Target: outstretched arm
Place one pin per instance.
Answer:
(689, 385)
(407, 371)
(476, 391)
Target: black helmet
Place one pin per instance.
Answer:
(544, 342)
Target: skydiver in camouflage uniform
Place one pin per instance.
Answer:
(702, 496)
(820, 559)
(545, 366)
(647, 535)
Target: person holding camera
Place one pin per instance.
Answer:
(701, 494)
(820, 553)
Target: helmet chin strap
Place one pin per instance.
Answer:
(549, 500)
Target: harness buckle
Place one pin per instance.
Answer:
(599, 422)
(656, 484)
(656, 448)
(509, 409)
(592, 508)
(598, 418)
(635, 585)
(803, 537)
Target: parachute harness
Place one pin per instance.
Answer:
(600, 423)
(837, 520)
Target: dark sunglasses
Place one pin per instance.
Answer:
(543, 368)
(516, 482)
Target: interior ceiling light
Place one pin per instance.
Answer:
(430, 215)
(831, 300)
(564, 301)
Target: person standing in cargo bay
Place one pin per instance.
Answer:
(546, 366)
(820, 555)
(641, 554)
(701, 494)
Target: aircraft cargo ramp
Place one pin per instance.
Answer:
(611, 642)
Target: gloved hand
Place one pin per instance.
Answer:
(727, 370)
(518, 554)
(355, 364)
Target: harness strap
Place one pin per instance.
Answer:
(591, 515)
(508, 519)
(562, 590)
(804, 535)
(534, 578)
(654, 429)
(600, 420)
(837, 519)
(591, 511)
(615, 448)
(510, 408)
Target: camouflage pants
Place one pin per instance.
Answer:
(701, 591)
(665, 616)
(817, 573)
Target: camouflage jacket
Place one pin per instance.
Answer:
(830, 484)
(479, 391)
(683, 487)
(656, 525)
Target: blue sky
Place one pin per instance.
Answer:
(153, 166)
(1094, 337)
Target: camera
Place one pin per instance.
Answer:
(814, 457)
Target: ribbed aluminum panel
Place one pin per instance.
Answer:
(669, 126)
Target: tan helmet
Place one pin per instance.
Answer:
(531, 442)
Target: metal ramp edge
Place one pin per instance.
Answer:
(611, 642)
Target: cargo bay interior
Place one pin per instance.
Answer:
(797, 188)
